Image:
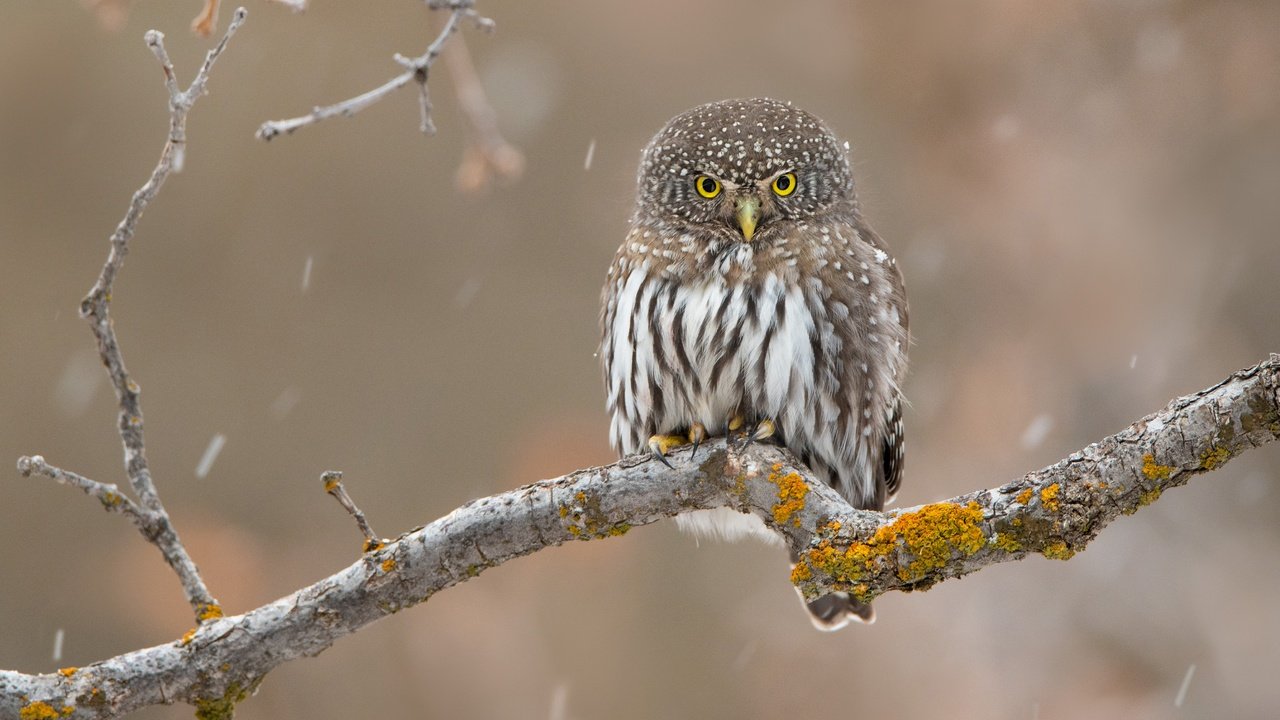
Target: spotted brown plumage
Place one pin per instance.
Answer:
(750, 286)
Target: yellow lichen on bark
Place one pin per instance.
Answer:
(210, 611)
(930, 537)
(1024, 497)
(1049, 497)
(791, 491)
(1058, 551)
(38, 711)
(1213, 457)
(1006, 543)
(1152, 470)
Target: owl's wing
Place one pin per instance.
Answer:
(891, 454)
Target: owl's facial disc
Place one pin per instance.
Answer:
(748, 215)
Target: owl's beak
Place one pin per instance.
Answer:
(748, 215)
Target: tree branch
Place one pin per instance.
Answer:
(1055, 512)
(416, 69)
(148, 514)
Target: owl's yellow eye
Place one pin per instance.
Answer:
(784, 184)
(707, 186)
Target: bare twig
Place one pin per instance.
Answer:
(332, 480)
(148, 513)
(1053, 512)
(109, 495)
(416, 70)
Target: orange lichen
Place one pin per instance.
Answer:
(38, 711)
(209, 611)
(929, 538)
(67, 671)
(188, 636)
(1213, 457)
(388, 565)
(791, 491)
(800, 572)
(1024, 497)
(1151, 470)
(372, 545)
(1148, 497)
(1049, 497)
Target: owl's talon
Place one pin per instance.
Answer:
(697, 433)
(660, 445)
(764, 430)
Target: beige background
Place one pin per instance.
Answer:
(1082, 196)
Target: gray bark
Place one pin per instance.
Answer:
(1055, 511)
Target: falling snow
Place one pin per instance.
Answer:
(57, 645)
(210, 455)
(591, 153)
(1037, 431)
(1186, 683)
(78, 384)
(306, 273)
(559, 702)
(285, 402)
(466, 293)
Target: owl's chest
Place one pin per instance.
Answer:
(735, 345)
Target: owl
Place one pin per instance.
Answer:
(750, 298)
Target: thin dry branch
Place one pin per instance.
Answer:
(1055, 511)
(416, 70)
(148, 513)
(488, 153)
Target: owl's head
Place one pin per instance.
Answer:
(741, 165)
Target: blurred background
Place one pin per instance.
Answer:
(1082, 197)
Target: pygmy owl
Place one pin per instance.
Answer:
(750, 296)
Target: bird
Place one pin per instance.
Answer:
(751, 299)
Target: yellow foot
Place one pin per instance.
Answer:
(660, 445)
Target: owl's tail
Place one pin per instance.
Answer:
(834, 611)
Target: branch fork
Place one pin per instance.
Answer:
(147, 513)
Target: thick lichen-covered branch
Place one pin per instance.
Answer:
(1053, 512)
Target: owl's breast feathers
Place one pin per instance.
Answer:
(807, 328)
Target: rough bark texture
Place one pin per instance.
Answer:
(1055, 512)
